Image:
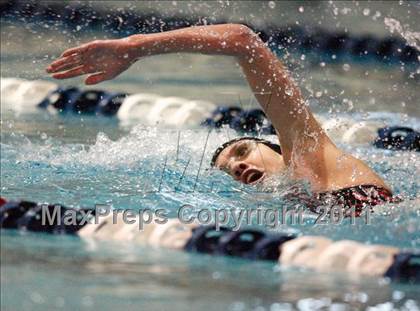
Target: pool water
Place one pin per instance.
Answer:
(83, 160)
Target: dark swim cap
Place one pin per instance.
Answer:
(274, 147)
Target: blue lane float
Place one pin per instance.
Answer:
(205, 239)
(251, 121)
(239, 243)
(72, 99)
(61, 99)
(398, 138)
(82, 16)
(27, 216)
(406, 266)
(268, 248)
(110, 103)
(222, 116)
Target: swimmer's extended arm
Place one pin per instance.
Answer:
(274, 89)
(305, 146)
(276, 92)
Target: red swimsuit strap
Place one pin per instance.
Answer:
(357, 197)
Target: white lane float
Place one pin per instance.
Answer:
(24, 95)
(136, 107)
(362, 132)
(347, 130)
(164, 110)
(152, 109)
(179, 112)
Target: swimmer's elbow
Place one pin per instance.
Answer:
(246, 40)
(243, 33)
(243, 30)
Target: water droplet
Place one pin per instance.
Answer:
(397, 295)
(271, 4)
(366, 12)
(301, 9)
(216, 275)
(322, 64)
(346, 67)
(345, 11)
(87, 301)
(376, 16)
(37, 298)
(289, 91)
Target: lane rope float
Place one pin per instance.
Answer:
(312, 252)
(152, 109)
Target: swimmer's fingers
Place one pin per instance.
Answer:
(84, 48)
(65, 63)
(76, 50)
(99, 77)
(78, 71)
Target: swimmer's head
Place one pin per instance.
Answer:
(249, 159)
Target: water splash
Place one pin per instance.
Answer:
(412, 38)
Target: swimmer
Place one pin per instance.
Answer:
(304, 147)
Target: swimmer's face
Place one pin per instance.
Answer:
(249, 162)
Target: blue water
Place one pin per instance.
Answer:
(82, 161)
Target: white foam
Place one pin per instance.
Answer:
(337, 127)
(412, 38)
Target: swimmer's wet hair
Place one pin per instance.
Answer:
(274, 147)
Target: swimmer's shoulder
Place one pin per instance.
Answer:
(345, 171)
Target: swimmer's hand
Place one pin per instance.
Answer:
(102, 60)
